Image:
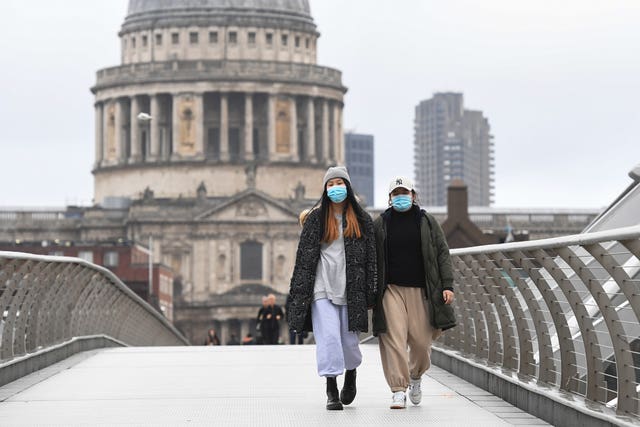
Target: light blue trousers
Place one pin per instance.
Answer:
(337, 348)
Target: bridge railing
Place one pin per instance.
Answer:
(46, 300)
(561, 312)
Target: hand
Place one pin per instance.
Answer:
(447, 296)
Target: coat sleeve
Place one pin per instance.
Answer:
(444, 259)
(304, 271)
(371, 267)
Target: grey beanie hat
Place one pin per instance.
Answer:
(336, 172)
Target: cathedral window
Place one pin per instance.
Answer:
(252, 38)
(133, 42)
(159, 39)
(251, 260)
(284, 39)
(213, 37)
(233, 37)
(269, 38)
(145, 41)
(193, 37)
(175, 38)
(297, 41)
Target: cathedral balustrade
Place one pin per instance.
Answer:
(55, 306)
(218, 70)
(560, 314)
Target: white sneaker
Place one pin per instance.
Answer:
(399, 400)
(415, 393)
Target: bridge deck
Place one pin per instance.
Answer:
(232, 385)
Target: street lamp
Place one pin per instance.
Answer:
(150, 290)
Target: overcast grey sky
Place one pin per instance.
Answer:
(558, 80)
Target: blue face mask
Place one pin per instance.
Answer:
(337, 193)
(401, 202)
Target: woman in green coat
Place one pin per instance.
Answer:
(415, 283)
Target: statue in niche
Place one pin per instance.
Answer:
(280, 267)
(187, 127)
(201, 191)
(111, 133)
(220, 267)
(250, 171)
(299, 192)
(147, 195)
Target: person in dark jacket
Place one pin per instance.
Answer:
(271, 321)
(334, 283)
(212, 338)
(415, 282)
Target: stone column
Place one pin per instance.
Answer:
(198, 113)
(99, 127)
(248, 127)
(136, 149)
(337, 151)
(293, 129)
(154, 129)
(311, 131)
(175, 129)
(117, 134)
(325, 131)
(105, 130)
(224, 127)
(271, 126)
(224, 332)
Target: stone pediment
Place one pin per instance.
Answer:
(250, 206)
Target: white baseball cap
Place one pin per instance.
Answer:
(400, 181)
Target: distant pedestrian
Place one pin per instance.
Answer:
(248, 340)
(415, 283)
(271, 322)
(261, 320)
(233, 340)
(297, 338)
(333, 283)
(212, 338)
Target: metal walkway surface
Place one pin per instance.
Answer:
(232, 385)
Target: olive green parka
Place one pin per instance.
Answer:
(437, 268)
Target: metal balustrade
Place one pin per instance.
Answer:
(47, 300)
(562, 312)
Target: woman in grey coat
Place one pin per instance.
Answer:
(334, 283)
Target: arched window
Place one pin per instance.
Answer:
(251, 260)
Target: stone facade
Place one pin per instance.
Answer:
(238, 126)
(211, 136)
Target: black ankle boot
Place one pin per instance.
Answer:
(333, 403)
(348, 392)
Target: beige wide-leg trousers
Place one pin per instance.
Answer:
(407, 314)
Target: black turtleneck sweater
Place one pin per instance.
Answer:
(404, 250)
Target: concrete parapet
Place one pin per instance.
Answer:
(25, 365)
(551, 405)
